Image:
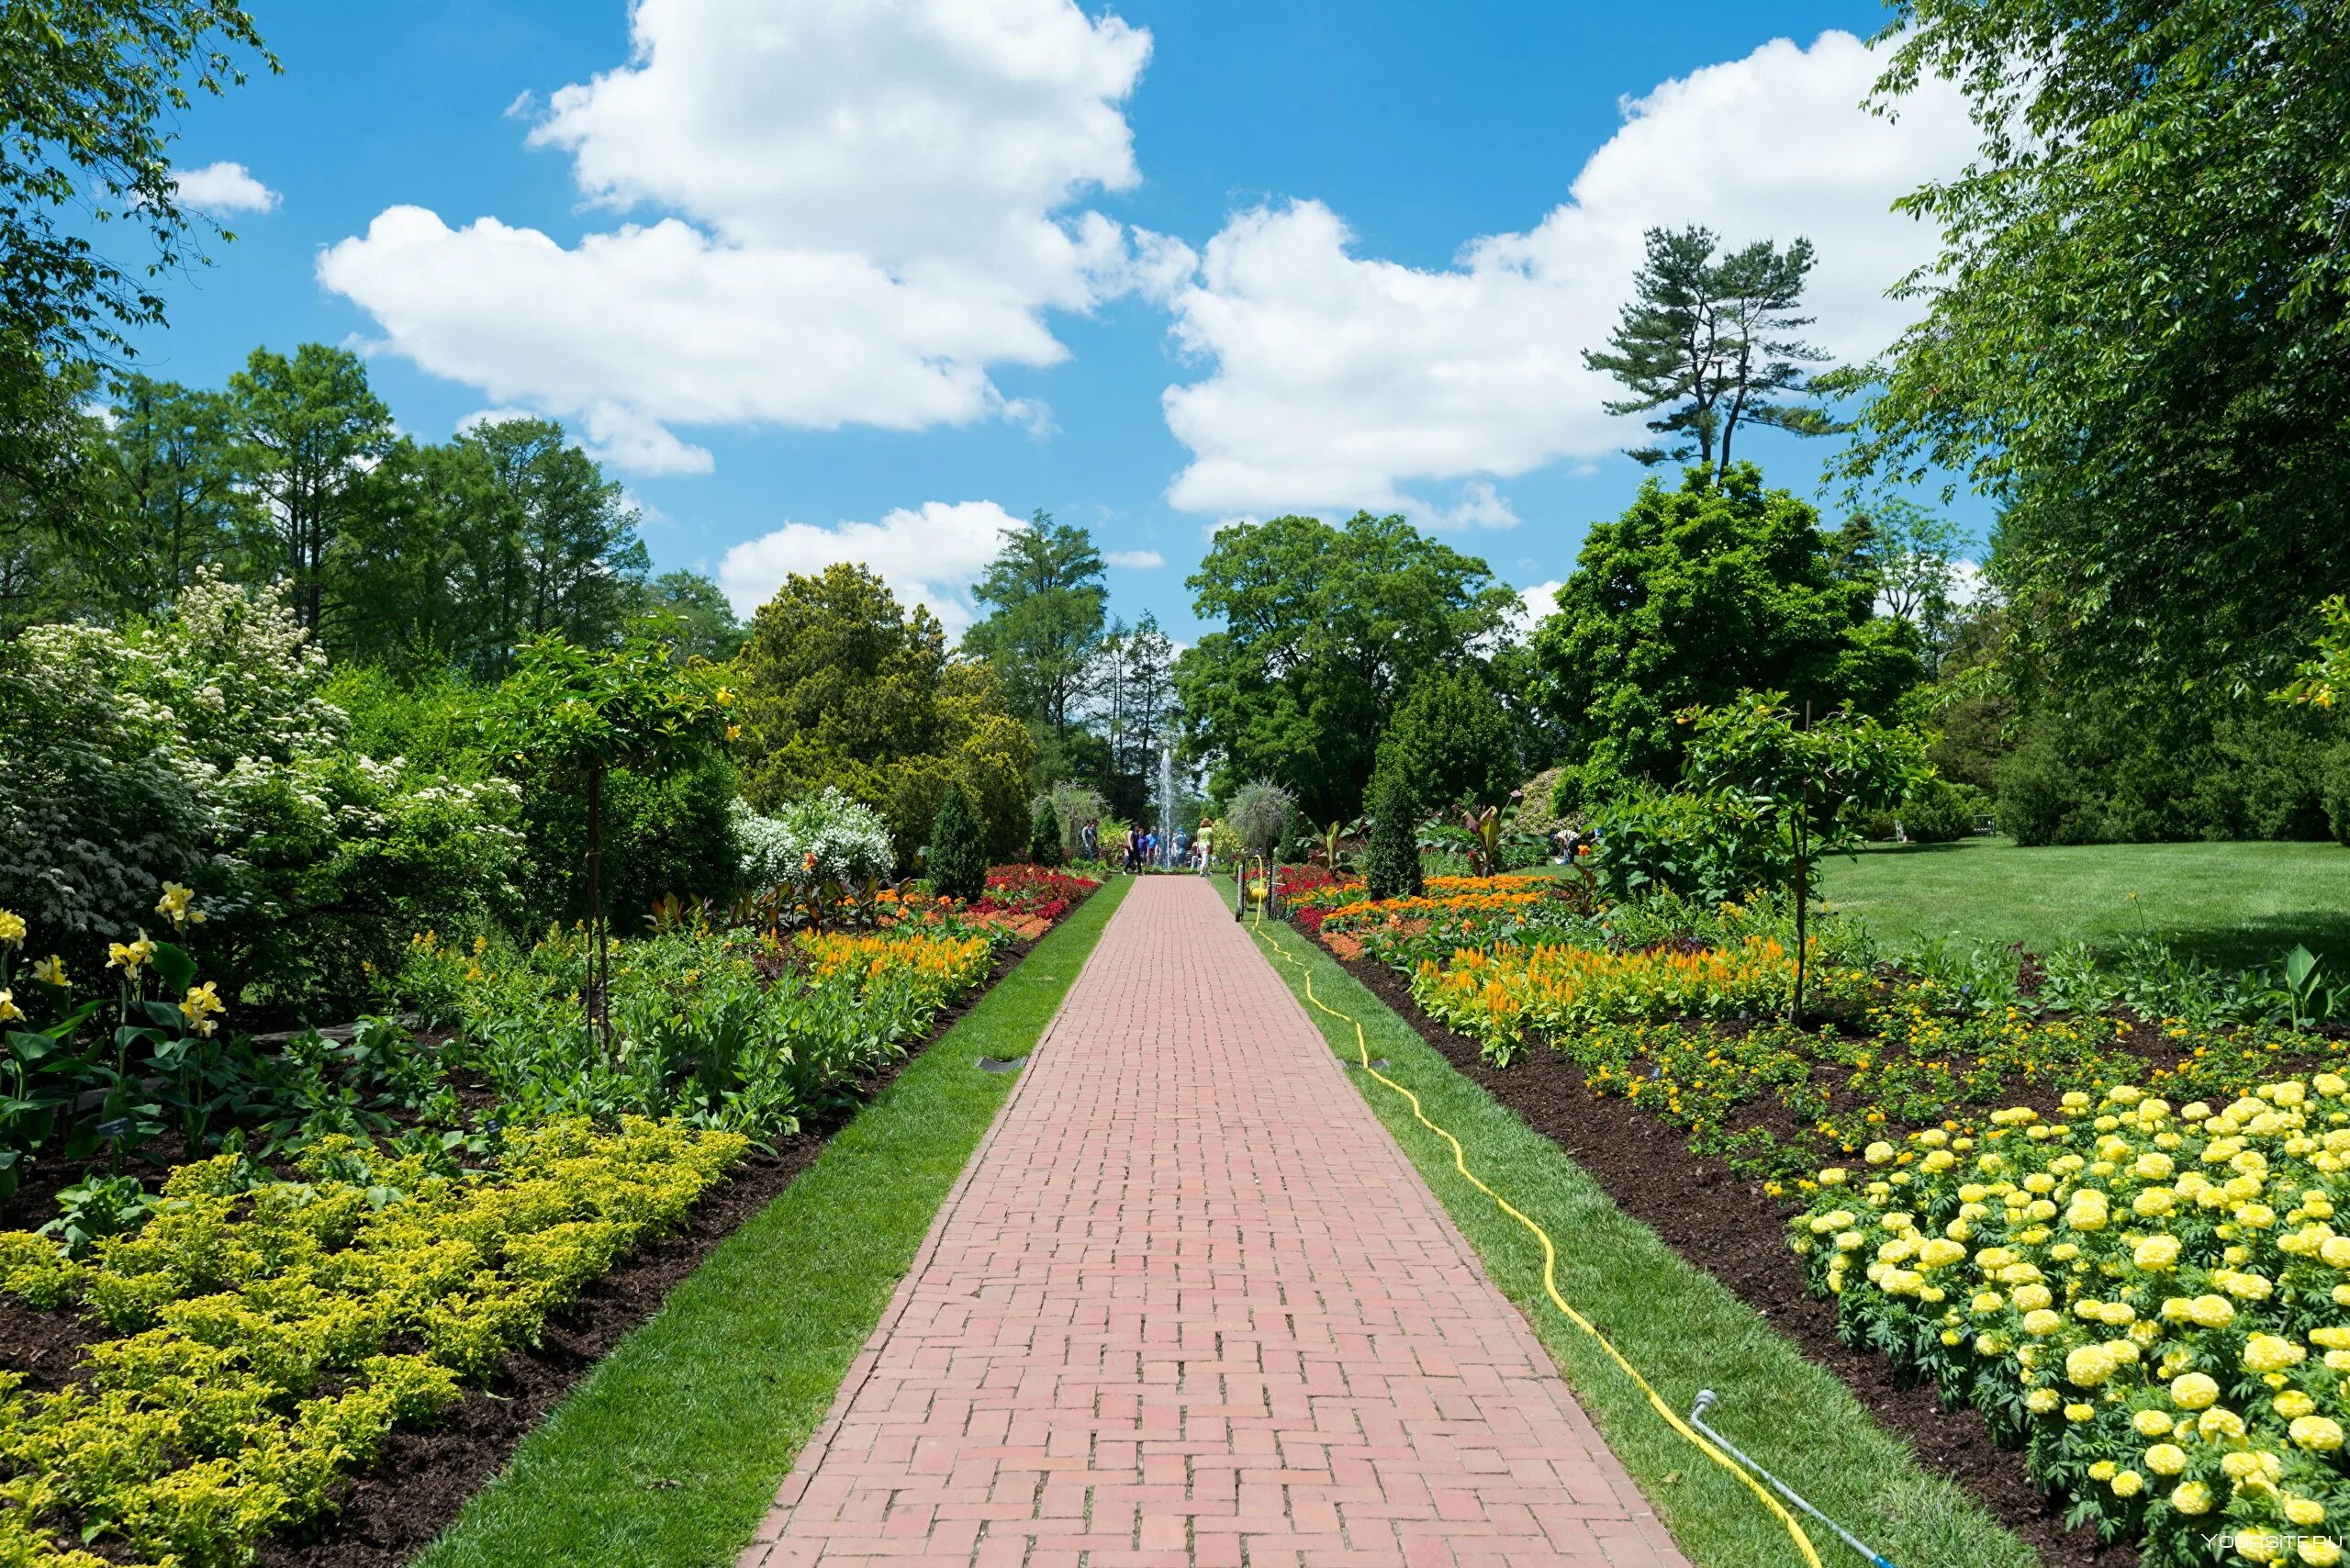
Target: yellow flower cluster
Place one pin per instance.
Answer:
(938, 967)
(1496, 998)
(2157, 1296)
(272, 1338)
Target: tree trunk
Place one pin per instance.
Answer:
(599, 1016)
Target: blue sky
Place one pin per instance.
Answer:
(895, 264)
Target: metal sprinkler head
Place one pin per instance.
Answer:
(1706, 1400)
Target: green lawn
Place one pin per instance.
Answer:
(2235, 905)
(668, 1454)
(1683, 1329)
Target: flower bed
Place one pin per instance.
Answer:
(2152, 1303)
(273, 1332)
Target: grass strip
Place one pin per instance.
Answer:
(1681, 1326)
(668, 1454)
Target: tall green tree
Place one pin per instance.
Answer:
(91, 95)
(1047, 605)
(1711, 342)
(566, 557)
(691, 613)
(313, 432)
(1323, 629)
(1451, 744)
(1132, 701)
(1698, 593)
(842, 687)
(174, 496)
(2137, 336)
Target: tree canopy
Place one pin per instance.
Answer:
(2137, 336)
(842, 687)
(1710, 343)
(1324, 628)
(1047, 607)
(1700, 592)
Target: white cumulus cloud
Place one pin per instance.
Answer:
(1535, 605)
(1339, 380)
(929, 555)
(223, 187)
(1136, 560)
(833, 213)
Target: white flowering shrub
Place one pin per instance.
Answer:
(199, 751)
(825, 838)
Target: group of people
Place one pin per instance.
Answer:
(1144, 847)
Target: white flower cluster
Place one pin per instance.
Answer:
(825, 838)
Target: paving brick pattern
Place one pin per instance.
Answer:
(1191, 1304)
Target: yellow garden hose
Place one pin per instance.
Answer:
(1550, 1253)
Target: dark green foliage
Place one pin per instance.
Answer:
(1937, 812)
(955, 860)
(2095, 776)
(1322, 630)
(1701, 846)
(2333, 783)
(673, 835)
(1047, 603)
(1392, 863)
(1044, 835)
(1451, 743)
(1697, 594)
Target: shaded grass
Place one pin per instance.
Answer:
(2239, 905)
(1683, 1329)
(669, 1453)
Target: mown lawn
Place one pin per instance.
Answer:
(667, 1455)
(2235, 905)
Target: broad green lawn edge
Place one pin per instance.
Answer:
(1683, 1329)
(668, 1454)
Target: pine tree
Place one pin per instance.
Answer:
(956, 861)
(1392, 863)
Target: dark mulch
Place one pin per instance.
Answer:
(421, 1479)
(1735, 1231)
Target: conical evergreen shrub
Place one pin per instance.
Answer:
(1392, 865)
(1044, 833)
(956, 861)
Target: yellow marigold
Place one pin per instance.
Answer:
(2088, 1365)
(2042, 1322)
(2192, 1497)
(2041, 1400)
(1938, 1253)
(1878, 1153)
(2292, 1403)
(2156, 1253)
(2077, 1413)
(2305, 1510)
(2193, 1391)
(2318, 1551)
(2332, 1337)
(2270, 1352)
(2127, 1483)
(2165, 1459)
(2210, 1312)
(2320, 1434)
(2151, 1423)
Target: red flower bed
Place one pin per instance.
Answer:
(1032, 889)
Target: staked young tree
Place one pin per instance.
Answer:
(1712, 343)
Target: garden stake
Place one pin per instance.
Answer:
(1550, 1266)
(1706, 1398)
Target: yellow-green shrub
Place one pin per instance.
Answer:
(202, 1429)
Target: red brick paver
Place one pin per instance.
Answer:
(1191, 1304)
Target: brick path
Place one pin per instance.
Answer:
(1191, 1304)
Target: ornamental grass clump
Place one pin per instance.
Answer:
(2152, 1301)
